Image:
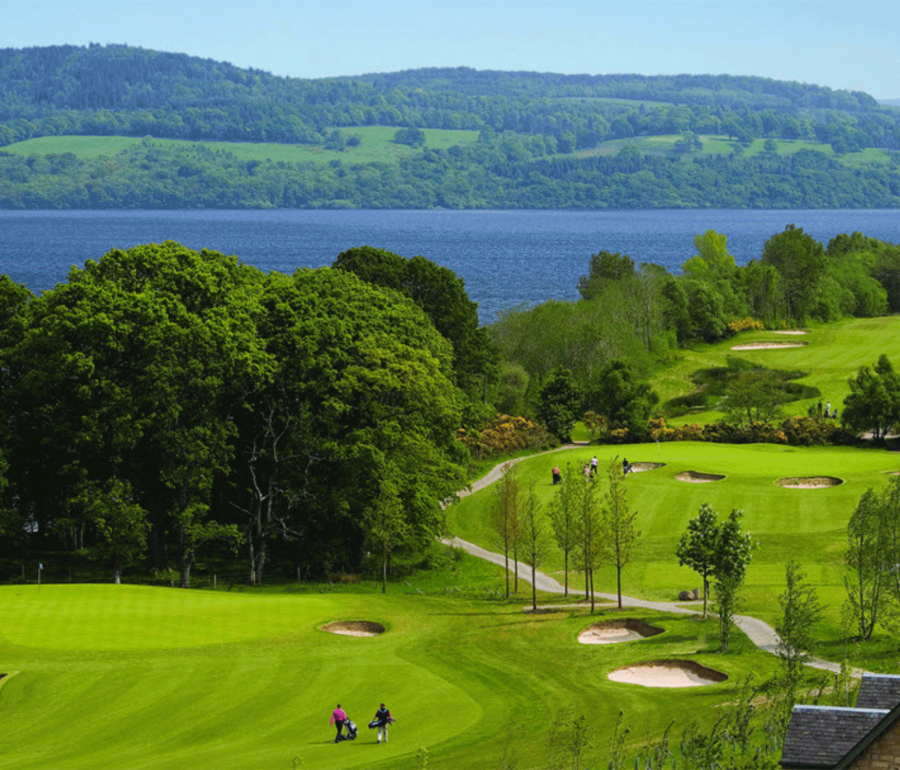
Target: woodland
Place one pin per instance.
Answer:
(543, 140)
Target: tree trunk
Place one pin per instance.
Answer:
(506, 564)
(516, 569)
(384, 562)
(619, 583)
(533, 590)
(566, 574)
(592, 591)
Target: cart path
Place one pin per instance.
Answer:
(759, 632)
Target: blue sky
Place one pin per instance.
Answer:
(851, 45)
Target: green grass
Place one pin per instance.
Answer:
(807, 525)
(376, 146)
(124, 676)
(833, 354)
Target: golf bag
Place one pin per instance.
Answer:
(350, 727)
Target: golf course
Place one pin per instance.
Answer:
(129, 676)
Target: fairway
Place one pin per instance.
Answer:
(132, 677)
(808, 525)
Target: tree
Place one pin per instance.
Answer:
(623, 398)
(559, 401)
(564, 512)
(753, 396)
(619, 533)
(734, 551)
(414, 137)
(800, 261)
(866, 575)
(386, 525)
(506, 514)
(590, 532)
(697, 547)
(605, 267)
(534, 537)
(800, 610)
(874, 400)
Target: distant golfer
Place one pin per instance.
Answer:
(556, 477)
(595, 464)
(338, 718)
(626, 467)
(382, 719)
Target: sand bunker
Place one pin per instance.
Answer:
(810, 482)
(698, 478)
(354, 628)
(619, 630)
(668, 673)
(640, 467)
(792, 331)
(763, 345)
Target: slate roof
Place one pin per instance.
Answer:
(821, 736)
(881, 691)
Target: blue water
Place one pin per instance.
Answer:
(507, 258)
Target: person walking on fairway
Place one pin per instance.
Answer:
(382, 719)
(338, 717)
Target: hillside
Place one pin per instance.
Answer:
(522, 140)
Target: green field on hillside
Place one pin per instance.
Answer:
(722, 145)
(376, 146)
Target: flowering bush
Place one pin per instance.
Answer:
(737, 325)
(503, 435)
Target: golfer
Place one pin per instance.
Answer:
(338, 717)
(382, 719)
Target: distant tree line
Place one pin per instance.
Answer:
(501, 171)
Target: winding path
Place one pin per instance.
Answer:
(758, 631)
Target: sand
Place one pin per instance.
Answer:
(641, 467)
(620, 630)
(810, 482)
(792, 331)
(668, 673)
(693, 477)
(354, 628)
(765, 345)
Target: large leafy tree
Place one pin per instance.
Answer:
(874, 400)
(442, 295)
(559, 401)
(800, 262)
(623, 398)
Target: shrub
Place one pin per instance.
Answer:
(737, 325)
(503, 435)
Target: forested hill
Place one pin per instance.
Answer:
(467, 138)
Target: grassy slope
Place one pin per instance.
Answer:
(376, 146)
(124, 676)
(834, 353)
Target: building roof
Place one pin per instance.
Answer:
(821, 736)
(878, 691)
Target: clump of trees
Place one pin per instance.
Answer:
(163, 399)
(718, 552)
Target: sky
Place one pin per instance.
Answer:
(849, 45)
